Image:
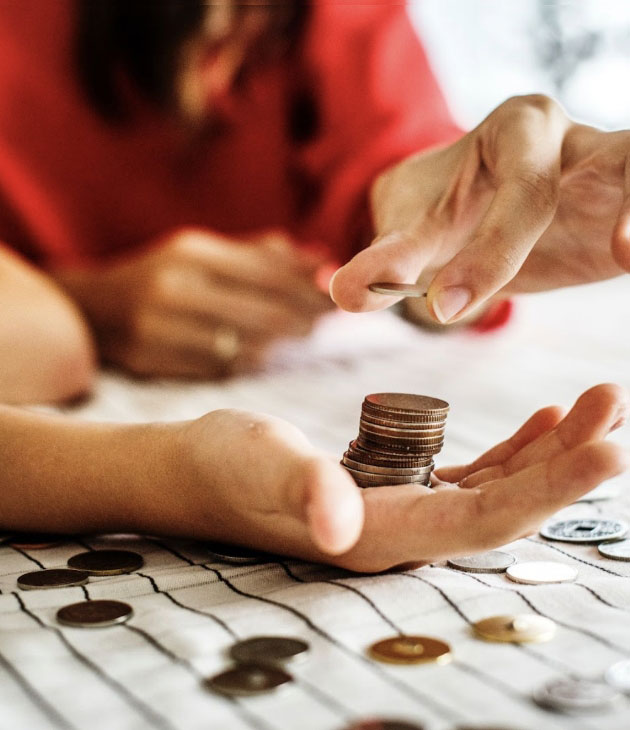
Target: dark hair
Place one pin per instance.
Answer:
(141, 40)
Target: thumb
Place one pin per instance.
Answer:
(396, 257)
(327, 499)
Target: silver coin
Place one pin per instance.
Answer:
(615, 549)
(236, 555)
(52, 578)
(94, 614)
(538, 572)
(398, 290)
(248, 679)
(382, 480)
(386, 470)
(377, 723)
(618, 675)
(575, 695)
(269, 650)
(494, 561)
(584, 530)
(107, 562)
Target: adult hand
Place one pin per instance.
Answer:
(199, 304)
(256, 481)
(527, 201)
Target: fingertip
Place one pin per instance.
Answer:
(606, 402)
(395, 257)
(589, 464)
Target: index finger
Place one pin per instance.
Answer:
(521, 148)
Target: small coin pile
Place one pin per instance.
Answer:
(399, 434)
(84, 614)
(260, 666)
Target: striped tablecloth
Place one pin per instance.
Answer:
(189, 609)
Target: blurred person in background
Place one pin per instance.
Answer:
(175, 176)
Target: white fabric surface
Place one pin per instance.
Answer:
(188, 609)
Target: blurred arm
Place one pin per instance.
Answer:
(46, 351)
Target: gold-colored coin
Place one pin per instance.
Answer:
(411, 650)
(519, 628)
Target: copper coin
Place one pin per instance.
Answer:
(398, 439)
(516, 628)
(52, 578)
(406, 403)
(35, 540)
(417, 423)
(387, 477)
(393, 459)
(400, 430)
(94, 614)
(385, 470)
(409, 450)
(248, 679)
(411, 650)
(107, 562)
(269, 650)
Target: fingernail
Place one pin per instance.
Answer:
(450, 301)
(331, 284)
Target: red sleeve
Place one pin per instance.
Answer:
(379, 102)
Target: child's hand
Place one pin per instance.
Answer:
(256, 480)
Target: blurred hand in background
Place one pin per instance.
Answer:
(200, 304)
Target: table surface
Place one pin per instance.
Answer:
(188, 609)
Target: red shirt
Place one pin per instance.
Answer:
(74, 188)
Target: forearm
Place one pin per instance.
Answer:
(58, 475)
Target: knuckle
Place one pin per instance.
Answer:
(535, 102)
(541, 189)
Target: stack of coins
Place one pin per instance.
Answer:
(399, 434)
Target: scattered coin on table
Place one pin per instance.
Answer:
(522, 628)
(615, 549)
(237, 555)
(538, 572)
(35, 540)
(94, 614)
(575, 695)
(493, 561)
(584, 530)
(383, 724)
(248, 679)
(411, 650)
(52, 578)
(398, 290)
(399, 434)
(107, 562)
(269, 650)
(618, 675)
